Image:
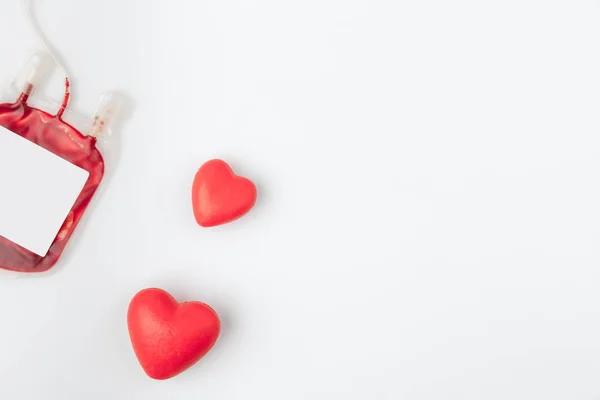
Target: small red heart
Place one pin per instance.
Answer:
(169, 337)
(219, 196)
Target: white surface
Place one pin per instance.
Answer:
(29, 173)
(429, 217)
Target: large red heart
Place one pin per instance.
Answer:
(169, 337)
(219, 196)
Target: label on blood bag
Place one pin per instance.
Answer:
(37, 191)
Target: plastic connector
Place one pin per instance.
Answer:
(110, 106)
(34, 72)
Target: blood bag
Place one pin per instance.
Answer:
(49, 170)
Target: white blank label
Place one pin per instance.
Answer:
(37, 191)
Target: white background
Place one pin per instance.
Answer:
(429, 216)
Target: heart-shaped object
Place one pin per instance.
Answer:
(219, 196)
(169, 337)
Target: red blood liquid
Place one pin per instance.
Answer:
(53, 134)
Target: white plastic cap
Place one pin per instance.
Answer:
(109, 108)
(34, 72)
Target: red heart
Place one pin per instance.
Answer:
(169, 337)
(219, 196)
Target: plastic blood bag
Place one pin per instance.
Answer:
(49, 172)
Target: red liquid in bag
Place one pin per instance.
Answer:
(53, 134)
